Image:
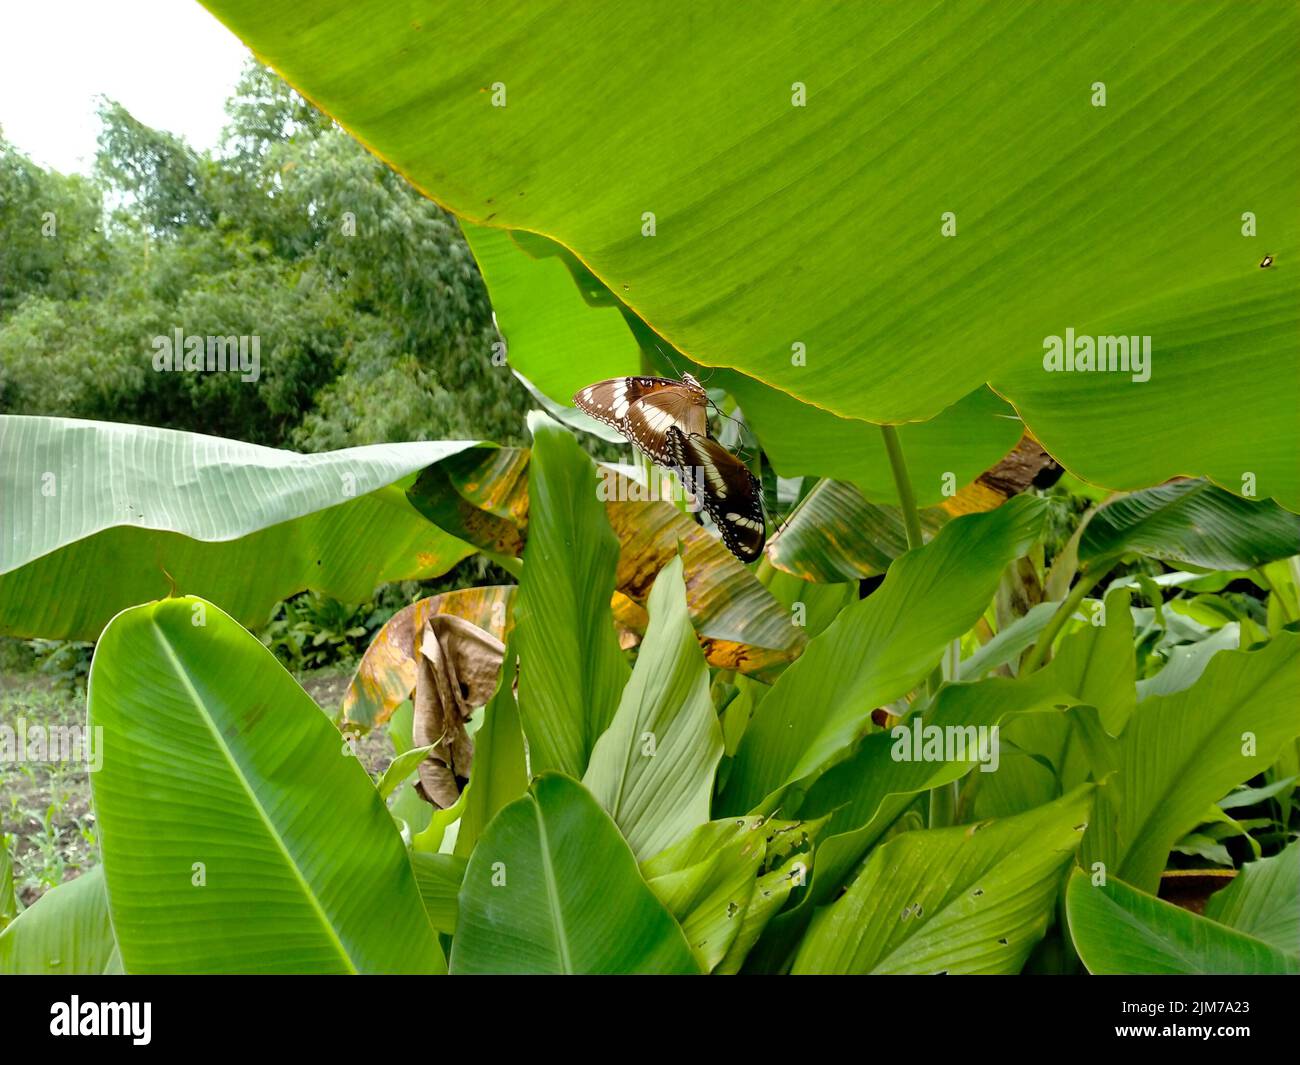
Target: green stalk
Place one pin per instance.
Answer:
(911, 518)
(1086, 583)
(943, 799)
(903, 484)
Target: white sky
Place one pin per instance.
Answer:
(169, 62)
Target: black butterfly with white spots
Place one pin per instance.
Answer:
(644, 408)
(731, 494)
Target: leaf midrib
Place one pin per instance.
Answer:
(552, 892)
(184, 677)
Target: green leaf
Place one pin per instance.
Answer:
(1250, 796)
(970, 899)
(1261, 901)
(876, 650)
(652, 769)
(571, 671)
(402, 767)
(66, 931)
(897, 319)
(707, 880)
(106, 514)
(1008, 645)
(1095, 664)
(1119, 930)
(9, 908)
(769, 896)
(553, 888)
(1186, 662)
(565, 330)
(238, 834)
(952, 448)
(865, 794)
(499, 773)
(1180, 753)
(1190, 522)
(439, 877)
(866, 791)
(811, 606)
(835, 535)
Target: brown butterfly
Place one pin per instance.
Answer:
(643, 409)
(731, 494)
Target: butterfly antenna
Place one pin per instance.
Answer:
(667, 358)
(783, 525)
(730, 418)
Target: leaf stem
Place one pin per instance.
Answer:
(1086, 583)
(943, 799)
(911, 519)
(903, 484)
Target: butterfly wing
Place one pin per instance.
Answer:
(644, 408)
(729, 491)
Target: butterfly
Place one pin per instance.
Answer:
(730, 493)
(643, 409)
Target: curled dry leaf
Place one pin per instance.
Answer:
(456, 671)
(386, 675)
(1027, 465)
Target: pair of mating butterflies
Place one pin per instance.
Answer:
(669, 421)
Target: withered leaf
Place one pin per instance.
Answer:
(457, 665)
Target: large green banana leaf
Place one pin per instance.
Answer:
(65, 932)
(876, 650)
(553, 888)
(859, 186)
(1118, 930)
(564, 331)
(652, 769)
(99, 517)
(969, 899)
(237, 834)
